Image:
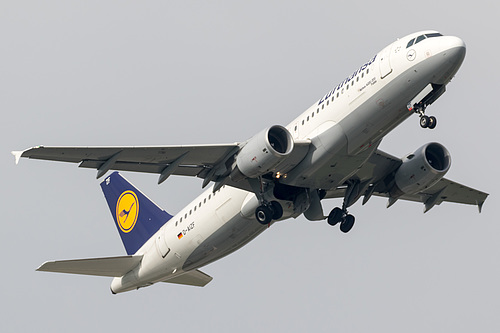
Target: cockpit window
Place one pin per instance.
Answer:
(436, 34)
(420, 38)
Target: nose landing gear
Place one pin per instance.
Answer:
(429, 122)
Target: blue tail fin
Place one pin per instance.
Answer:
(137, 218)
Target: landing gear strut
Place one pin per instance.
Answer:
(429, 122)
(352, 194)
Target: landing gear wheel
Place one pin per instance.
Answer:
(264, 214)
(277, 210)
(347, 223)
(432, 122)
(425, 121)
(335, 216)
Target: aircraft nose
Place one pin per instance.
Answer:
(455, 49)
(452, 54)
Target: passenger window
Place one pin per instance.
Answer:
(410, 43)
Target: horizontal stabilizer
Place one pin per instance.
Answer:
(110, 266)
(193, 278)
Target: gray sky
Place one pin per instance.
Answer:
(165, 72)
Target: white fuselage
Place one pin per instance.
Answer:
(348, 122)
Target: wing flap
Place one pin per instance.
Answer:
(192, 278)
(109, 266)
(183, 170)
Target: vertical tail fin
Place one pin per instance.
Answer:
(137, 218)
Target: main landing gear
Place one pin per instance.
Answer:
(340, 215)
(267, 212)
(429, 122)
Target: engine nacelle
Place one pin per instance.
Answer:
(422, 169)
(263, 153)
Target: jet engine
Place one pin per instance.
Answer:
(422, 169)
(262, 153)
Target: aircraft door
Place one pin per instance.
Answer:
(161, 245)
(385, 62)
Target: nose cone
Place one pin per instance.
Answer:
(451, 56)
(455, 49)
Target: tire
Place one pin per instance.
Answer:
(277, 210)
(424, 121)
(432, 122)
(263, 214)
(347, 224)
(335, 216)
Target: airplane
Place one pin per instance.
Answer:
(329, 151)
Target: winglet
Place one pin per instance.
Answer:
(17, 155)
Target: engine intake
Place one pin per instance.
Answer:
(422, 169)
(262, 153)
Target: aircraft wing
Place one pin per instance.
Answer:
(191, 160)
(381, 164)
(210, 162)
